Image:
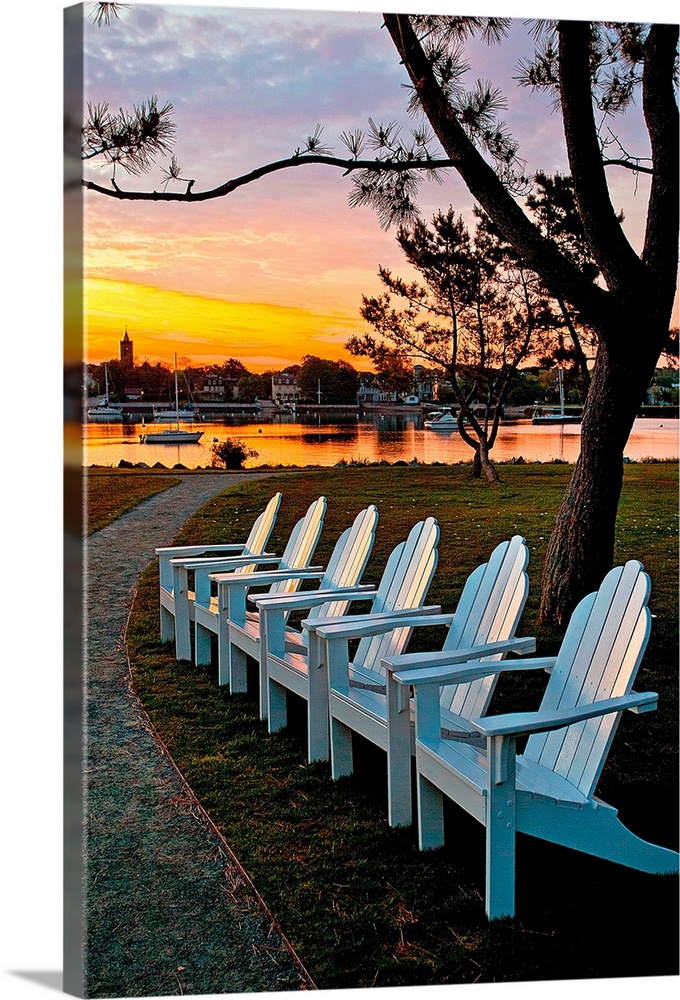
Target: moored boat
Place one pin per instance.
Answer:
(175, 415)
(105, 410)
(441, 420)
(172, 435)
(556, 416)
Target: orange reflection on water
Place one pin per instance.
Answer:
(285, 442)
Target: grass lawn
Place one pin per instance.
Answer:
(109, 493)
(361, 905)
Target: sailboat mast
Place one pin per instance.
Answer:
(106, 384)
(561, 385)
(176, 394)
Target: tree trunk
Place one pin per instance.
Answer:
(482, 463)
(581, 548)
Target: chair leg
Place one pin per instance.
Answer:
(237, 670)
(277, 708)
(182, 631)
(342, 760)
(430, 815)
(167, 625)
(317, 705)
(399, 810)
(201, 645)
(182, 615)
(317, 731)
(501, 828)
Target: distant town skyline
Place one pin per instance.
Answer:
(276, 270)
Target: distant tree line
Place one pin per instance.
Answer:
(338, 382)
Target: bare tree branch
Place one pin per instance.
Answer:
(637, 168)
(348, 165)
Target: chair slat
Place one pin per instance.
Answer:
(301, 545)
(407, 577)
(490, 611)
(599, 657)
(348, 561)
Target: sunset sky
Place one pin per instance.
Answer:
(277, 269)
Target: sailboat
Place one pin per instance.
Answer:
(106, 410)
(557, 416)
(172, 436)
(188, 412)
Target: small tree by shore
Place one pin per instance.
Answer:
(473, 317)
(231, 454)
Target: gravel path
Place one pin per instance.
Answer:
(168, 910)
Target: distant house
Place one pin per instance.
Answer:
(442, 385)
(217, 388)
(284, 388)
(424, 383)
(369, 393)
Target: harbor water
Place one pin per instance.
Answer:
(284, 440)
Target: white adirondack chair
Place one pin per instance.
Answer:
(338, 584)
(175, 562)
(403, 586)
(548, 791)
(483, 625)
(226, 613)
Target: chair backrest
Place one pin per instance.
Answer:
(256, 542)
(404, 585)
(301, 545)
(598, 659)
(489, 610)
(348, 561)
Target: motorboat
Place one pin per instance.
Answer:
(441, 420)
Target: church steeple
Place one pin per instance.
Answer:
(126, 350)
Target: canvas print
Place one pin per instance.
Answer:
(371, 499)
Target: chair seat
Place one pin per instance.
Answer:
(369, 699)
(210, 608)
(468, 761)
(290, 669)
(250, 627)
(364, 699)
(295, 641)
(292, 661)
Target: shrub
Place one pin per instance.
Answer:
(231, 454)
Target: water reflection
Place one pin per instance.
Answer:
(286, 441)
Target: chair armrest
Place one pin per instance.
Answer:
(359, 626)
(196, 550)
(264, 578)
(313, 624)
(470, 671)
(209, 563)
(525, 723)
(306, 599)
(449, 657)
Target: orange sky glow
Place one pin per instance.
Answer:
(205, 329)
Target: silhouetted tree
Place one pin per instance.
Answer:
(336, 381)
(474, 317)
